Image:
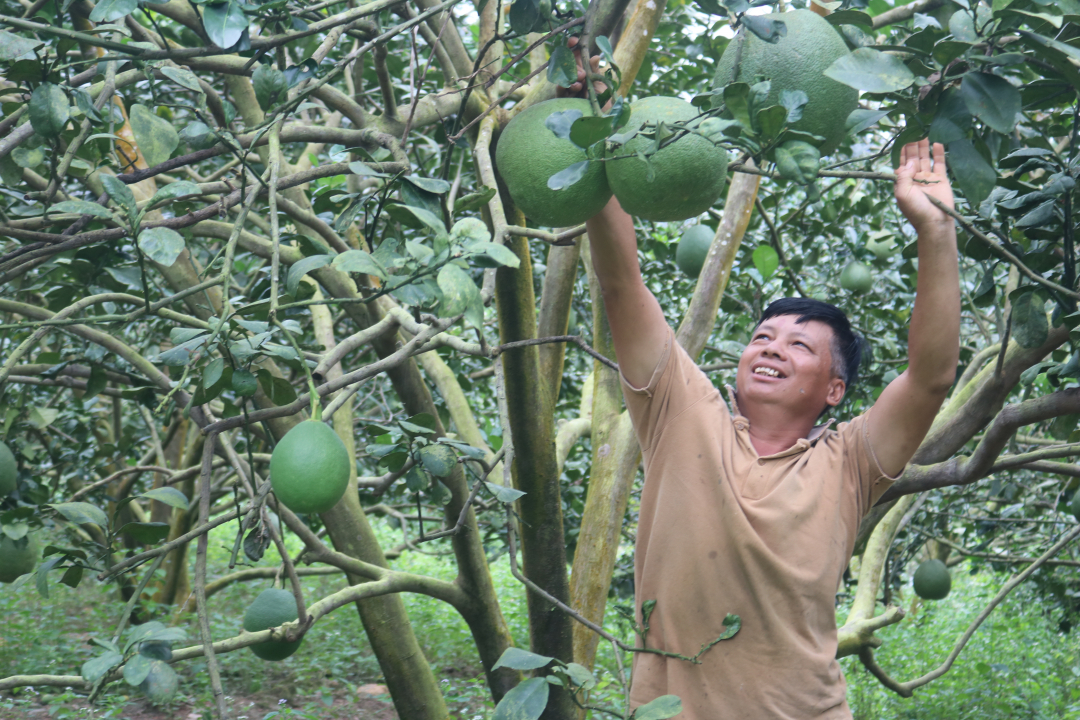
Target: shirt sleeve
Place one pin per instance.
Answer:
(676, 384)
(861, 464)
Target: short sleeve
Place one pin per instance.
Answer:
(676, 384)
(861, 464)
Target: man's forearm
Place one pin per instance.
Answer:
(934, 335)
(613, 244)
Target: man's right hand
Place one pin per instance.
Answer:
(577, 89)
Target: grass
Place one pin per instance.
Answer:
(1017, 666)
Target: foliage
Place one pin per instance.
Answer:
(208, 209)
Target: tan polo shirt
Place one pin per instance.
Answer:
(722, 530)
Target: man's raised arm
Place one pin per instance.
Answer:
(905, 410)
(638, 328)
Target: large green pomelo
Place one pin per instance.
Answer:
(689, 174)
(17, 557)
(8, 471)
(932, 580)
(693, 248)
(528, 153)
(309, 469)
(856, 277)
(272, 608)
(797, 62)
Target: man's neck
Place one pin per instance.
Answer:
(773, 429)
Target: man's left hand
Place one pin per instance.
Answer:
(920, 175)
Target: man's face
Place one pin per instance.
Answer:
(789, 364)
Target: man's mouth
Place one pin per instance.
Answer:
(767, 372)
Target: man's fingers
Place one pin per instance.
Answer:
(939, 159)
(924, 156)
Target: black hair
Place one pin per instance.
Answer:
(847, 345)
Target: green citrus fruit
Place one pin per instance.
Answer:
(882, 249)
(688, 174)
(161, 683)
(528, 153)
(797, 62)
(309, 469)
(272, 608)
(856, 277)
(17, 557)
(8, 471)
(693, 247)
(932, 580)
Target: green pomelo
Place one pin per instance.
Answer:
(272, 608)
(161, 683)
(693, 248)
(8, 471)
(528, 153)
(17, 557)
(856, 277)
(932, 580)
(309, 469)
(797, 62)
(689, 174)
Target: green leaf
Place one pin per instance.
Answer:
(469, 232)
(302, 267)
(180, 188)
(662, 708)
(973, 174)
(358, 261)
(992, 99)
(1029, 325)
(96, 668)
(27, 158)
(525, 702)
(560, 122)
(146, 533)
(458, 290)
(162, 245)
(136, 669)
(871, 70)
(416, 217)
(244, 382)
(81, 207)
(182, 77)
(155, 135)
(770, 121)
(82, 513)
(72, 576)
(13, 46)
(589, 129)
(580, 676)
(499, 253)
(798, 161)
(437, 186)
(270, 86)
(766, 260)
(42, 417)
(416, 481)
(504, 494)
(768, 30)
(168, 495)
(111, 10)
(276, 388)
(527, 15)
(794, 101)
(359, 168)
(566, 178)
(518, 659)
(50, 110)
(97, 381)
(737, 101)
(225, 23)
(473, 200)
(120, 193)
(438, 460)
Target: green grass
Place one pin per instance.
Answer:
(1017, 666)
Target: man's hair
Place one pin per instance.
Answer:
(847, 345)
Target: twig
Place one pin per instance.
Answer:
(463, 516)
(200, 579)
(575, 339)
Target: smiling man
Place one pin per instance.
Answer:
(753, 509)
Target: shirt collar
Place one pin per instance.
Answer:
(816, 432)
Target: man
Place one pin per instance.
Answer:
(753, 510)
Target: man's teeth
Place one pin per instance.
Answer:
(766, 371)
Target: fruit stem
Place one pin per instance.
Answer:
(316, 408)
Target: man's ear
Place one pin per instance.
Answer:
(837, 388)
